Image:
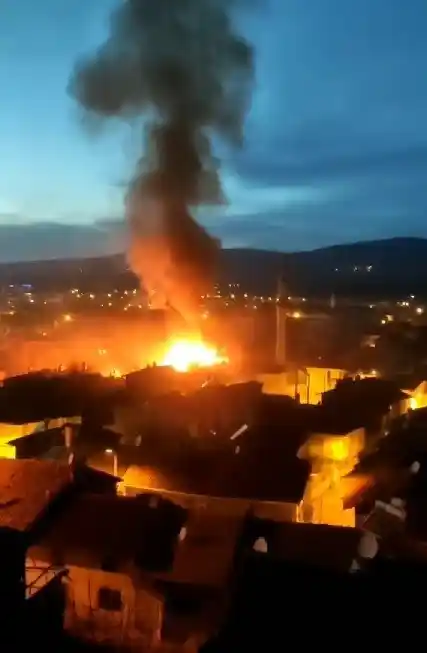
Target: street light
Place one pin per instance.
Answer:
(111, 452)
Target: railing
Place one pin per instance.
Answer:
(37, 577)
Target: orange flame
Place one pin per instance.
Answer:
(184, 355)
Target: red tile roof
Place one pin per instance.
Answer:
(27, 487)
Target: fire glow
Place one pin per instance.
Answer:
(184, 355)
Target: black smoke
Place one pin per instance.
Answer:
(181, 65)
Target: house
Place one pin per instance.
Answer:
(20, 439)
(335, 546)
(113, 549)
(256, 618)
(31, 492)
(398, 471)
(10, 432)
(415, 386)
(197, 587)
(37, 442)
(378, 400)
(229, 483)
(306, 383)
(65, 441)
(210, 411)
(309, 564)
(333, 450)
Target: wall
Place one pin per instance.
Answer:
(139, 620)
(332, 457)
(309, 386)
(418, 396)
(339, 451)
(12, 431)
(7, 451)
(279, 511)
(323, 504)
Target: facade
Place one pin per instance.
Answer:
(109, 607)
(417, 395)
(138, 480)
(307, 383)
(31, 601)
(15, 439)
(332, 457)
(114, 548)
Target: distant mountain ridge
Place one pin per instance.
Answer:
(396, 266)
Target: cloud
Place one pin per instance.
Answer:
(336, 148)
(342, 98)
(48, 240)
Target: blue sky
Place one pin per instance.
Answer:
(336, 140)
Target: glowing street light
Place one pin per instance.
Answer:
(111, 452)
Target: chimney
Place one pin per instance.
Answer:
(68, 436)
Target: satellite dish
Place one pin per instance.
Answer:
(354, 567)
(153, 502)
(368, 546)
(415, 467)
(260, 545)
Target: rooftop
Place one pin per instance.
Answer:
(240, 476)
(100, 531)
(27, 487)
(320, 545)
(371, 392)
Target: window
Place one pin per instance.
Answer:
(109, 599)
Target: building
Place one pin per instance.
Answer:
(305, 383)
(320, 589)
(415, 387)
(333, 450)
(335, 549)
(32, 596)
(226, 482)
(375, 401)
(140, 570)
(20, 439)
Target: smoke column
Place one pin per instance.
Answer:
(179, 64)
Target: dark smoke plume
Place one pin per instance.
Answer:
(180, 64)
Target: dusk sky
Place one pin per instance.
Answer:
(336, 140)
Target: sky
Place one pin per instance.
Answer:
(336, 137)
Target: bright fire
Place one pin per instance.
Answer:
(184, 355)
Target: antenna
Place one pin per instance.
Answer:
(281, 321)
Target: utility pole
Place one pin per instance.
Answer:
(281, 322)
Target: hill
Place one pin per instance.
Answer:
(394, 267)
